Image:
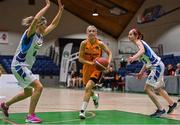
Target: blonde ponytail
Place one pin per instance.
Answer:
(27, 21)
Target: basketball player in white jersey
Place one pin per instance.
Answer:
(25, 56)
(155, 79)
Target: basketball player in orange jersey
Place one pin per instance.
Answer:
(90, 49)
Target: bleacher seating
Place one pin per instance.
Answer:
(43, 66)
(170, 59)
(135, 67)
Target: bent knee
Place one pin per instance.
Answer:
(28, 92)
(37, 85)
(147, 88)
(87, 88)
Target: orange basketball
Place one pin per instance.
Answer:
(101, 63)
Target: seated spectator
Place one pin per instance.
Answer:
(79, 79)
(177, 72)
(121, 72)
(69, 80)
(72, 79)
(0, 72)
(170, 70)
(109, 78)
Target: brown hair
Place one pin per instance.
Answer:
(137, 33)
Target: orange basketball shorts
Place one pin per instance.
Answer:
(91, 73)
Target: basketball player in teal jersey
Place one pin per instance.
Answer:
(25, 56)
(155, 79)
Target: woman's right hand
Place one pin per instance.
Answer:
(59, 3)
(139, 75)
(61, 7)
(92, 63)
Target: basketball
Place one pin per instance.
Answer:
(101, 63)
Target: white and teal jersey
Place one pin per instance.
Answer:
(149, 58)
(26, 52)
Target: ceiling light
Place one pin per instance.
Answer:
(95, 13)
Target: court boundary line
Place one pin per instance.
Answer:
(76, 119)
(163, 117)
(92, 115)
(8, 121)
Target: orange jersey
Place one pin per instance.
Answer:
(92, 51)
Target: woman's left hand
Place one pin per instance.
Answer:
(60, 4)
(131, 59)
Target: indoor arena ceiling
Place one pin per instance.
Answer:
(114, 15)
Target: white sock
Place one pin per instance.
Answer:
(161, 109)
(172, 104)
(84, 105)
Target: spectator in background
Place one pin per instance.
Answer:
(52, 51)
(121, 72)
(170, 70)
(73, 81)
(0, 72)
(109, 78)
(69, 79)
(177, 72)
(80, 81)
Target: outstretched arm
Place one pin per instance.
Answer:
(56, 20)
(139, 53)
(32, 27)
(140, 74)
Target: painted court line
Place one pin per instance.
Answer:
(92, 115)
(73, 120)
(8, 121)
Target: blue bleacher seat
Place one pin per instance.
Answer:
(43, 66)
